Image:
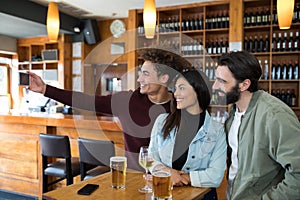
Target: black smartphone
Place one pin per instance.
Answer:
(88, 189)
(24, 79)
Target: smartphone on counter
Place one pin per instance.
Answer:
(24, 79)
(88, 189)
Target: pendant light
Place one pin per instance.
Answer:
(149, 17)
(53, 21)
(285, 10)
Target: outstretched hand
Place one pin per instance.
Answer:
(36, 83)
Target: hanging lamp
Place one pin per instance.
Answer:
(285, 10)
(53, 21)
(149, 17)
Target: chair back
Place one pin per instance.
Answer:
(95, 152)
(55, 146)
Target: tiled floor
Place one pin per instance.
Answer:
(5, 195)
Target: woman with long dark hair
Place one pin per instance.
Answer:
(187, 140)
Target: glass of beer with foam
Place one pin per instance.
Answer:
(118, 165)
(161, 183)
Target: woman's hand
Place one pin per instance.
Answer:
(178, 179)
(36, 83)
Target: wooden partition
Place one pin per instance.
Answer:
(20, 159)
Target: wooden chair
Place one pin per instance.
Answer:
(94, 157)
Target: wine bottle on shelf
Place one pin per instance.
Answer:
(217, 24)
(187, 23)
(177, 24)
(207, 21)
(224, 48)
(284, 44)
(220, 46)
(253, 19)
(294, 19)
(290, 42)
(258, 17)
(284, 70)
(183, 24)
(201, 22)
(183, 48)
(290, 71)
(246, 15)
(207, 69)
(215, 46)
(212, 21)
(256, 45)
(266, 70)
(261, 44)
(278, 43)
(190, 47)
(298, 12)
(173, 21)
(167, 25)
(293, 98)
(273, 72)
(226, 45)
(268, 15)
(288, 97)
(274, 42)
(209, 46)
(278, 71)
(220, 20)
(296, 41)
(246, 44)
(211, 70)
(275, 19)
(226, 14)
(266, 47)
(278, 94)
(196, 23)
(195, 47)
(296, 70)
(199, 47)
(283, 95)
(251, 44)
(192, 26)
(264, 17)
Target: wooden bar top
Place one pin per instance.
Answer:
(134, 181)
(58, 119)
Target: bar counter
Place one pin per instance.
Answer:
(20, 159)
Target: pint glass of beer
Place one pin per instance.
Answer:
(118, 165)
(161, 184)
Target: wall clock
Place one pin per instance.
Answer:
(117, 28)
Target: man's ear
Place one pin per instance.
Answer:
(164, 78)
(245, 85)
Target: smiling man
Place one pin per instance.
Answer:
(263, 134)
(136, 110)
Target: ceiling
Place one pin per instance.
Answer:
(26, 18)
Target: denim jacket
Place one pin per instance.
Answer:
(206, 161)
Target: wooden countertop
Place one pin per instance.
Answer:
(134, 181)
(58, 119)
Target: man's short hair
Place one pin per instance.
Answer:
(165, 62)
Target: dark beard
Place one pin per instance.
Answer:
(230, 97)
(233, 95)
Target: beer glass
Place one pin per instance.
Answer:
(161, 184)
(118, 165)
(146, 161)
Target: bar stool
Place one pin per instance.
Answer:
(94, 157)
(55, 146)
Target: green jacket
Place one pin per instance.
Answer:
(269, 151)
